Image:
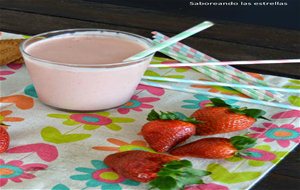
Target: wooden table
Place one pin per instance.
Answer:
(225, 41)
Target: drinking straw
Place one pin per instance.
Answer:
(223, 77)
(209, 83)
(199, 56)
(202, 26)
(196, 91)
(222, 63)
(255, 94)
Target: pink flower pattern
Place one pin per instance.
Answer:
(4, 73)
(152, 90)
(15, 171)
(137, 104)
(14, 66)
(283, 135)
(208, 186)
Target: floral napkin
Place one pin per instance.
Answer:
(58, 150)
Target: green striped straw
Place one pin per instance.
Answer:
(199, 56)
(210, 83)
(197, 91)
(217, 76)
(261, 94)
(224, 72)
(202, 26)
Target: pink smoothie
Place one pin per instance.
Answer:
(82, 74)
(84, 50)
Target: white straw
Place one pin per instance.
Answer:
(254, 62)
(210, 83)
(196, 91)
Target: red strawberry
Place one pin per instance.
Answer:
(161, 170)
(166, 130)
(216, 147)
(222, 118)
(4, 140)
(138, 165)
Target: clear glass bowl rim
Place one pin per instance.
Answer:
(119, 64)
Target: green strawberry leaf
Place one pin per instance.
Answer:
(199, 173)
(153, 115)
(164, 183)
(255, 113)
(242, 143)
(178, 164)
(192, 180)
(3, 124)
(238, 110)
(176, 175)
(219, 103)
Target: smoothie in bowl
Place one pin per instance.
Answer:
(83, 69)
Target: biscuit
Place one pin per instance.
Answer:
(9, 51)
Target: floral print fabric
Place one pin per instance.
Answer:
(55, 149)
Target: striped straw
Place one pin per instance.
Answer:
(202, 26)
(209, 83)
(254, 62)
(199, 56)
(220, 77)
(196, 91)
(223, 76)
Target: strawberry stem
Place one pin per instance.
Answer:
(176, 175)
(241, 143)
(3, 124)
(254, 113)
(153, 115)
(219, 102)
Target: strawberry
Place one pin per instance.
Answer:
(162, 171)
(138, 165)
(165, 130)
(4, 140)
(223, 118)
(216, 147)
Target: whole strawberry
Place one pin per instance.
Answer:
(216, 147)
(222, 118)
(163, 171)
(4, 140)
(138, 165)
(166, 130)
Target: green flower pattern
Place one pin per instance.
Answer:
(295, 100)
(92, 121)
(260, 155)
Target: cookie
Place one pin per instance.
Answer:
(9, 51)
